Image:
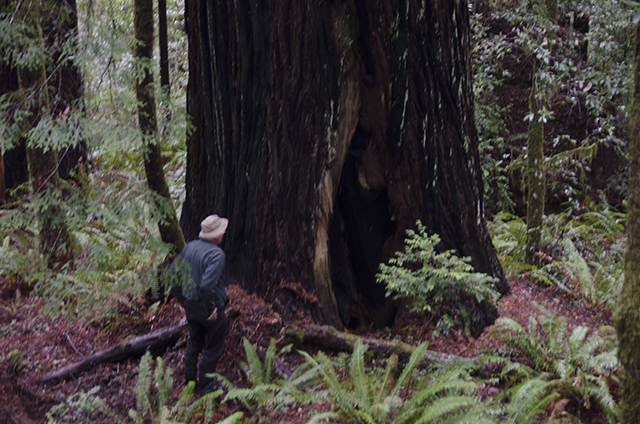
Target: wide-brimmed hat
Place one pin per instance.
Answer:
(213, 227)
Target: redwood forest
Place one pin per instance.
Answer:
(421, 211)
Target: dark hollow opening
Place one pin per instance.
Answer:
(361, 224)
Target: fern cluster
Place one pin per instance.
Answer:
(117, 248)
(153, 398)
(269, 391)
(360, 395)
(581, 254)
(436, 282)
(566, 366)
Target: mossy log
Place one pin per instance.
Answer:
(130, 347)
(329, 337)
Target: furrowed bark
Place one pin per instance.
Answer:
(324, 130)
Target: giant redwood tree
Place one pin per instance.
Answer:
(323, 131)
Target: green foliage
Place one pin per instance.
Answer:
(582, 251)
(566, 366)
(267, 392)
(597, 284)
(369, 397)
(435, 282)
(14, 359)
(82, 407)
(114, 231)
(487, 49)
(153, 396)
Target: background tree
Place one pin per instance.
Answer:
(64, 82)
(627, 315)
(169, 227)
(29, 59)
(324, 131)
(536, 169)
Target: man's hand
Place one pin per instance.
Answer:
(214, 315)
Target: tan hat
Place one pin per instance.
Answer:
(213, 227)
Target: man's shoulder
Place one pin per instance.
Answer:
(202, 246)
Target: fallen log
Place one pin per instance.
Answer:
(331, 338)
(129, 347)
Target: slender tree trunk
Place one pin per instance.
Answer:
(169, 227)
(536, 176)
(55, 240)
(2, 184)
(164, 44)
(165, 83)
(627, 315)
(324, 130)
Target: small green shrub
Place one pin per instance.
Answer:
(435, 282)
(82, 407)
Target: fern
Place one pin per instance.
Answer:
(268, 393)
(596, 283)
(567, 365)
(153, 403)
(361, 396)
(117, 248)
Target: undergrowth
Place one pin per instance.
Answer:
(435, 282)
(269, 389)
(361, 394)
(566, 370)
(581, 252)
(116, 247)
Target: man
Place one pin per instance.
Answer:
(198, 286)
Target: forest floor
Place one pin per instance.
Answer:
(49, 344)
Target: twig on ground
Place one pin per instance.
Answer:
(73, 346)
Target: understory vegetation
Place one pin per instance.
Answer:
(549, 370)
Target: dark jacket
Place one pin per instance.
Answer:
(197, 275)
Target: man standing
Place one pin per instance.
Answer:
(198, 286)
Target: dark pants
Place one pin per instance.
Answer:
(206, 337)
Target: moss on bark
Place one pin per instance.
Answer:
(170, 230)
(627, 315)
(535, 178)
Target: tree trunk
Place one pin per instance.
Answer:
(324, 130)
(66, 78)
(164, 45)
(163, 41)
(55, 240)
(168, 225)
(536, 176)
(627, 315)
(2, 184)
